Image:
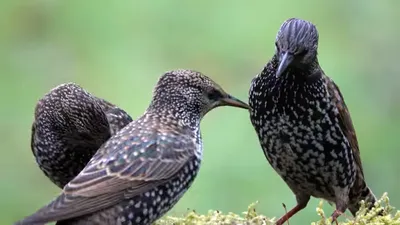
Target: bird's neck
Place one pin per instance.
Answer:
(290, 94)
(300, 68)
(297, 82)
(299, 73)
(177, 111)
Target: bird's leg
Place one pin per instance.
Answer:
(302, 201)
(293, 211)
(342, 202)
(284, 206)
(335, 215)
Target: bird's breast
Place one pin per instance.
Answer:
(301, 138)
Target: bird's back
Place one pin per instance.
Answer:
(117, 117)
(70, 125)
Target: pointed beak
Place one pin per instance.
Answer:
(284, 62)
(232, 101)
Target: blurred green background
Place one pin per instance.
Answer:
(118, 49)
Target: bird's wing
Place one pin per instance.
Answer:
(117, 117)
(125, 166)
(345, 121)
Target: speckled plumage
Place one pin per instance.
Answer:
(117, 118)
(304, 126)
(145, 168)
(70, 125)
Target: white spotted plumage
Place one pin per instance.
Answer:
(304, 126)
(145, 168)
(70, 125)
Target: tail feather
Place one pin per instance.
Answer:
(58, 209)
(362, 194)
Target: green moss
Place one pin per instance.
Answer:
(363, 217)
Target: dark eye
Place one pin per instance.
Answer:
(302, 53)
(214, 95)
(276, 45)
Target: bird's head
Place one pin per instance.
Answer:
(296, 44)
(191, 91)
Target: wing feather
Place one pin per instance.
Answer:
(130, 167)
(345, 121)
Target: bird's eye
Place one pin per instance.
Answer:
(214, 95)
(302, 53)
(276, 45)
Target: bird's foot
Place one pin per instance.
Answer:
(335, 215)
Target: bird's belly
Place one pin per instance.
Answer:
(305, 160)
(306, 176)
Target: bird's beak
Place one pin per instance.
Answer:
(284, 63)
(232, 101)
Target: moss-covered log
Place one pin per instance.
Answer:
(390, 216)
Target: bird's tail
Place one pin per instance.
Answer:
(362, 193)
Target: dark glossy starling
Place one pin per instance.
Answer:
(304, 126)
(143, 170)
(70, 126)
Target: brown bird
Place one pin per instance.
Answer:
(144, 169)
(304, 126)
(70, 126)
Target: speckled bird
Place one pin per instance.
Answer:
(304, 126)
(145, 168)
(69, 127)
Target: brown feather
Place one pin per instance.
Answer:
(345, 121)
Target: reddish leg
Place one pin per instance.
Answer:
(335, 215)
(301, 204)
(342, 201)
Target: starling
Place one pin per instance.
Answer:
(145, 168)
(304, 126)
(70, 126)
